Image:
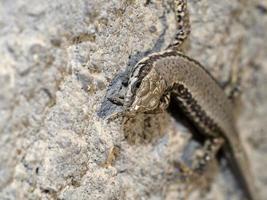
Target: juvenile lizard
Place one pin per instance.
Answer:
(159, 77)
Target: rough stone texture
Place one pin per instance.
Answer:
(57, 59)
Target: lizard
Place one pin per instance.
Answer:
(170, 74)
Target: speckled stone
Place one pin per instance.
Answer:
(58, 58)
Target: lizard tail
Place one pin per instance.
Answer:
(183, 24)
(238, 161)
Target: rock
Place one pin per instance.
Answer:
(57, 60)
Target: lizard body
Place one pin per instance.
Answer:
(170, 73)
(160, 76)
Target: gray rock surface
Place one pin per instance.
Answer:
(57, 60)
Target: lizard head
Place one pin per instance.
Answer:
(145, 89)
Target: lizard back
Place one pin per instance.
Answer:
(204, 102)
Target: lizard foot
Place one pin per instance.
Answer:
(207, 154)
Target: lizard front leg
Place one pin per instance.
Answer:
(207, 154)
(196, 170)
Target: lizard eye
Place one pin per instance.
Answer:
(138, 83)
(135, 86)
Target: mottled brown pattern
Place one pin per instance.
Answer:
(196, 91)
(194, 111)
(183, 24)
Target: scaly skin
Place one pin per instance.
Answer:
(182, 23)
(203, 101)
(171, 73)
